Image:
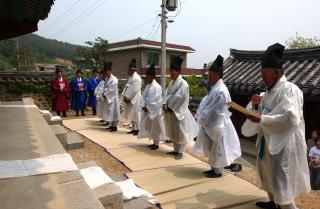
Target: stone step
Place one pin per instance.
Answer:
(60, 133)
(55, 120)
(74, 141)
(109, 195)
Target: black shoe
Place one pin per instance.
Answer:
(82, 113)
(179, 156)
(195, 139)
(136, 133)
(168, 141)
(113, 129)
(94, 111)
(130, 132)
(64, 114)
(267, 205)
(154, 147)
(58, 113)
(109, 128)
(77, 113)
(208, 171)
(150, 145)
(214, 175)
(230, 166)
(105, 123)
(172, 153)
(236, 168)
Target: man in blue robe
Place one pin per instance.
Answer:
(93, 82)
(78, 91)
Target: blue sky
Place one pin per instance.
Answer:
(211, 27)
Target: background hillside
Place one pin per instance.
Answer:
(34, 49)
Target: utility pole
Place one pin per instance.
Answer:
(163, 46)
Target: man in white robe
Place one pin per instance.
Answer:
(282, 163)
(98, 92)
(180, 125)
(111, 111)
(152, 125)
(131, 97)
(217, 137)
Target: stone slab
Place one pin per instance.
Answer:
(140, 202)
(60, 133)
(74, 141)
(55, 120)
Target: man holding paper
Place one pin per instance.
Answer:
(282, 163)
(217, 136)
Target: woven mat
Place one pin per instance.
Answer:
(186, 187)
(112, 140)
(83, 123)
(141, 158)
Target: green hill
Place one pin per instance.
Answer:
(34, 49)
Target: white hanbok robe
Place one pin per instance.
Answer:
(152, 124)
(217, 137)
(132, 91)
(98, 92)
(111, 111)
(180, 125)
(283, 170)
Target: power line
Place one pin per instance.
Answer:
(79, 18)
(156, 32)
(153, 27)
(132, 29)
(59, 18)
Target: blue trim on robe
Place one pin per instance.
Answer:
(92, 84)
(78, 101)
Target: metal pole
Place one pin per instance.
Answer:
(163, 46)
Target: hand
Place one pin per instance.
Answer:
(165, 108)
(255, 99)
(145, 109)
(253, 118)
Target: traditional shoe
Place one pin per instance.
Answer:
(168, 141)
(267, 205)
(207, 172)
(109, 128)
(214, 175)
(179, 156)
(172, 153)
(113, 129)
(236, 168)
(230, 166)
(136, 133)
(105, 123)
(154, 147)
(150, 145)
(130, 132)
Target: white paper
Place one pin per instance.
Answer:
(49, 164)
(130, 190)
(95, 177)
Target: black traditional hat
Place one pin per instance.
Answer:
(94, 70)
(133, 64)
(176, 63)
(78, 71)
(58, 70)
(151, 70)
(107, 66)
(273, 56)
(217, 66)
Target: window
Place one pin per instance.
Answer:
(152, 57)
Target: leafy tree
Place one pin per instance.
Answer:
(96, 52)
(299, 42)
(194, 87)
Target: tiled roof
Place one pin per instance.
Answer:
(143, 43)
(301, 66)
(184, 71)
(22, 16)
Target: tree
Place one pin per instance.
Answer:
(299, 42)
(96, 52)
